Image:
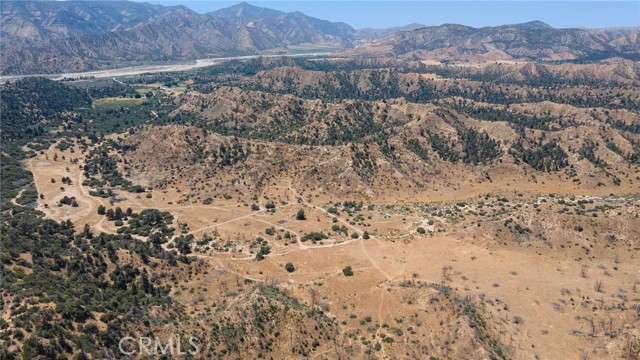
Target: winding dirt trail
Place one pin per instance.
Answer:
(14, 200)
(346, 223)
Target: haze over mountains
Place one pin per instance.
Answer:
(57, 37)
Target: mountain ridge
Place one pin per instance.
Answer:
(42, 37)
(534, 41)
(28, 22)
(246, 11)
(159, 39)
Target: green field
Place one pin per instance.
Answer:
(117, 102)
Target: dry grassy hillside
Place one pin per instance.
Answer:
(337, 209)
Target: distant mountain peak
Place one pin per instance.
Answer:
(246, 11)
(532, 25)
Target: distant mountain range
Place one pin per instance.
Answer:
(29, 22)
(70, 36)
(52, 38)
(530, 41)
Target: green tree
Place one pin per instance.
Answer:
(156, 240)
(264, 250)
(183, 244)
(118, 214)
(86, 232)
(347, 271)
(290, 267)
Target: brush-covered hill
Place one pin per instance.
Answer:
(382, 149)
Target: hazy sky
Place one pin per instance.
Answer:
(476, 13)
